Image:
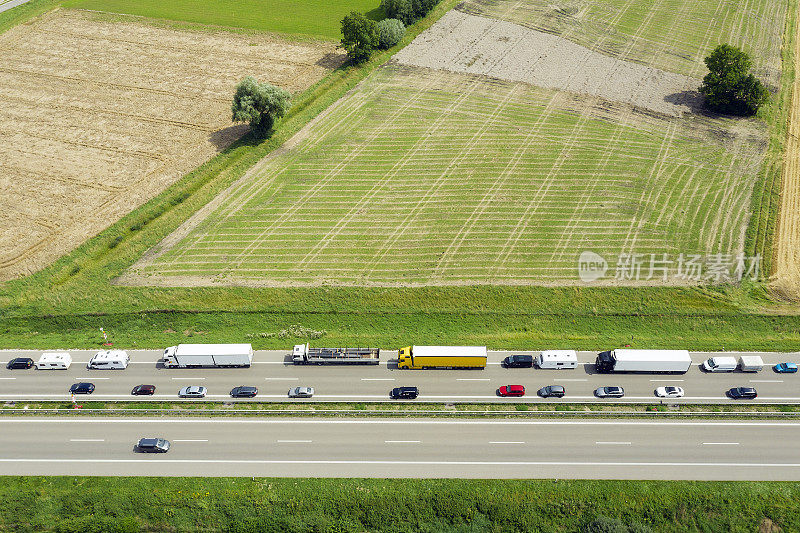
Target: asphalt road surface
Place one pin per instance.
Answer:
(273, 374)
(404, 448)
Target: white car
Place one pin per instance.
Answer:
(669, 392)
(194, 391)
(301, 392)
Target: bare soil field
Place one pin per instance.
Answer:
(99, 116)
(461, 42)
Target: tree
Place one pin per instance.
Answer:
(359, 36)
(390, 31)
(729, 87)
(260, 104)
(402, 10)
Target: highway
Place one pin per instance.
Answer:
(404, 448)
(273, 374)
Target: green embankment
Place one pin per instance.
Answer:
(307, 17)
(332, 505)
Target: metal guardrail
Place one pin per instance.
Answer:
(363, 412)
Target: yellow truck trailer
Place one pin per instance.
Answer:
(419, 357)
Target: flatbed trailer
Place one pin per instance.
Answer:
(304, 354)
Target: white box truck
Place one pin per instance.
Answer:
(751, 363)
(720, 364)
(208, 355)
(557, 359)
(109, 360)
(54, 361)
(652, 361)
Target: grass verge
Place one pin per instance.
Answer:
(293, 505)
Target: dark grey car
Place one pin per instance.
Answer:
(552, 391)
(404, 393)
(244, 391)
(518, 361)
(742, 393)
(153, 445)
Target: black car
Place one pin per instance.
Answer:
(82, 388)
(552, 391)
(244, 391)
(742, 393)
(144, 390)
(20, 363)
(518, 361)
(404, 393)
(152, 445)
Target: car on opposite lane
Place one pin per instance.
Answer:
(20, 363)
(192, 391)
(609, 392)
(669, 392)
(552, 391)
(143, 390)
(742, 393)
(301, 392)
(785, 368)
(404, 393)
(152, 445)
(81, 388)
(511, 390)
(244, 391)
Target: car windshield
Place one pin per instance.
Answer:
(671, 389)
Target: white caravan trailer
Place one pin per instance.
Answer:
(557, 359)
(109, 360)
(54, 361)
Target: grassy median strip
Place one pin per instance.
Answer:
(293, 505)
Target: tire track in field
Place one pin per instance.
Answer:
(413, 212)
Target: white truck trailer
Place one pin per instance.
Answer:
(208, 355)
(304, 354)
(557, 359)
(54, 361)
(109, 360)
(751, 363)
(652, 361)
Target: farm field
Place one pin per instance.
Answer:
(309, 17)
(421, 177)
(100, 116)
(673, 35)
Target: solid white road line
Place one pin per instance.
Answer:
(87, 378)
(570, 379)
(594, 464)
(666, 379)
(377, 379)
(187, 378)
(506, 442)
(720, 444)
(293, 441)
(87, 440)
(766, 381)
(626, 443)
(189, 440)
(282, 379)
(402, 441)
(8, 378)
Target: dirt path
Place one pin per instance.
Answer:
(786, 280)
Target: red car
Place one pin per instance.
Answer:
(511, 390)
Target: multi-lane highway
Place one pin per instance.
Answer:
(404, 448)
(273, 374)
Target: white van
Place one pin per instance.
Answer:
(751, 363)
(557, 359)
(720, 364)
(54, 361)
(109, 360)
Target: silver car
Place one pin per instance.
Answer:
(301, 392)
(194, 391)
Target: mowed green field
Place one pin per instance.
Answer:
(310, 17)
(672, 35)
(423, 177)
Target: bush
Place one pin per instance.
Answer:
(729, 87)
(359, 36)
(390, 32)
(402, 10)
(604, 524)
